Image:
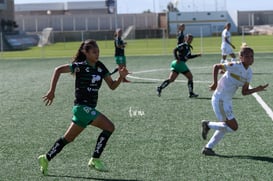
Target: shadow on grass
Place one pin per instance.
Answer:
(258, 158)
(88, 178)
(179, 98)
(144, 82)
(262, 73)
(205, 98)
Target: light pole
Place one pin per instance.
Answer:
(48, 12)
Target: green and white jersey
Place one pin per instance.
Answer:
(183, 52)
(88, 82)
(180, 37)
(119, 46)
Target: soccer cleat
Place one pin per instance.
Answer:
(97, 164)
(193, 95)
(205, 128)
(43, 162)
(158, 91)
(208, 152)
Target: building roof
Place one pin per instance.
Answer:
(79, 5)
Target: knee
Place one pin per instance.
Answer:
(189, 77)
(232, 124)
(111, 128)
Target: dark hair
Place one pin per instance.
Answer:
(227, 24)
(85, 46)
(189, 35)
(181, 24)
(116, 32)
(245, 49)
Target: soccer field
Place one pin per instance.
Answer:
(156, 138)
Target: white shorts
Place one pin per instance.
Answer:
(226, 50)
(222, 108)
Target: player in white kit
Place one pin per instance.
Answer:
(237, 74)
(226, 46)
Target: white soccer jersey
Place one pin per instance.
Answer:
(225, 34)
(235, 76)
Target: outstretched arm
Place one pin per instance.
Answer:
(48, 98)
(246, 90)
(113, 84)
(194, 56)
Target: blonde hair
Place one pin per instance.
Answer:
(244, 45)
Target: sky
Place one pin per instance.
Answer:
(138, 6)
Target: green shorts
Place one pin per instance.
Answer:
(120, 60)
(179, 67)
(84, 115)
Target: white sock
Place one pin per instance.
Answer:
(216, 138)
(219, 126)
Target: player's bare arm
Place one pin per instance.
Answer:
(226, 39)
(113, 84)
(175, 51)
(247, 91)
(48, 98)
(216, 68)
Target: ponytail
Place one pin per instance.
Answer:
(85, 47)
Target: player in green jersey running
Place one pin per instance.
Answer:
(89, 73)
(182, 54)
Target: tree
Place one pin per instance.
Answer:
(172, 6)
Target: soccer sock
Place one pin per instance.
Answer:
(219, 126)
(164, 84)
(190, 86)
(101, 143)
(216, 138)
(56, 148)
(114, 71)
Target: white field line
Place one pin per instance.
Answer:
(158, 80)
(267, 109)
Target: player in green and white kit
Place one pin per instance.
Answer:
(120, 57)
(89, 73)
(180, 34)
(182, 54)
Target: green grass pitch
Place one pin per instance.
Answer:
(156, 138)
